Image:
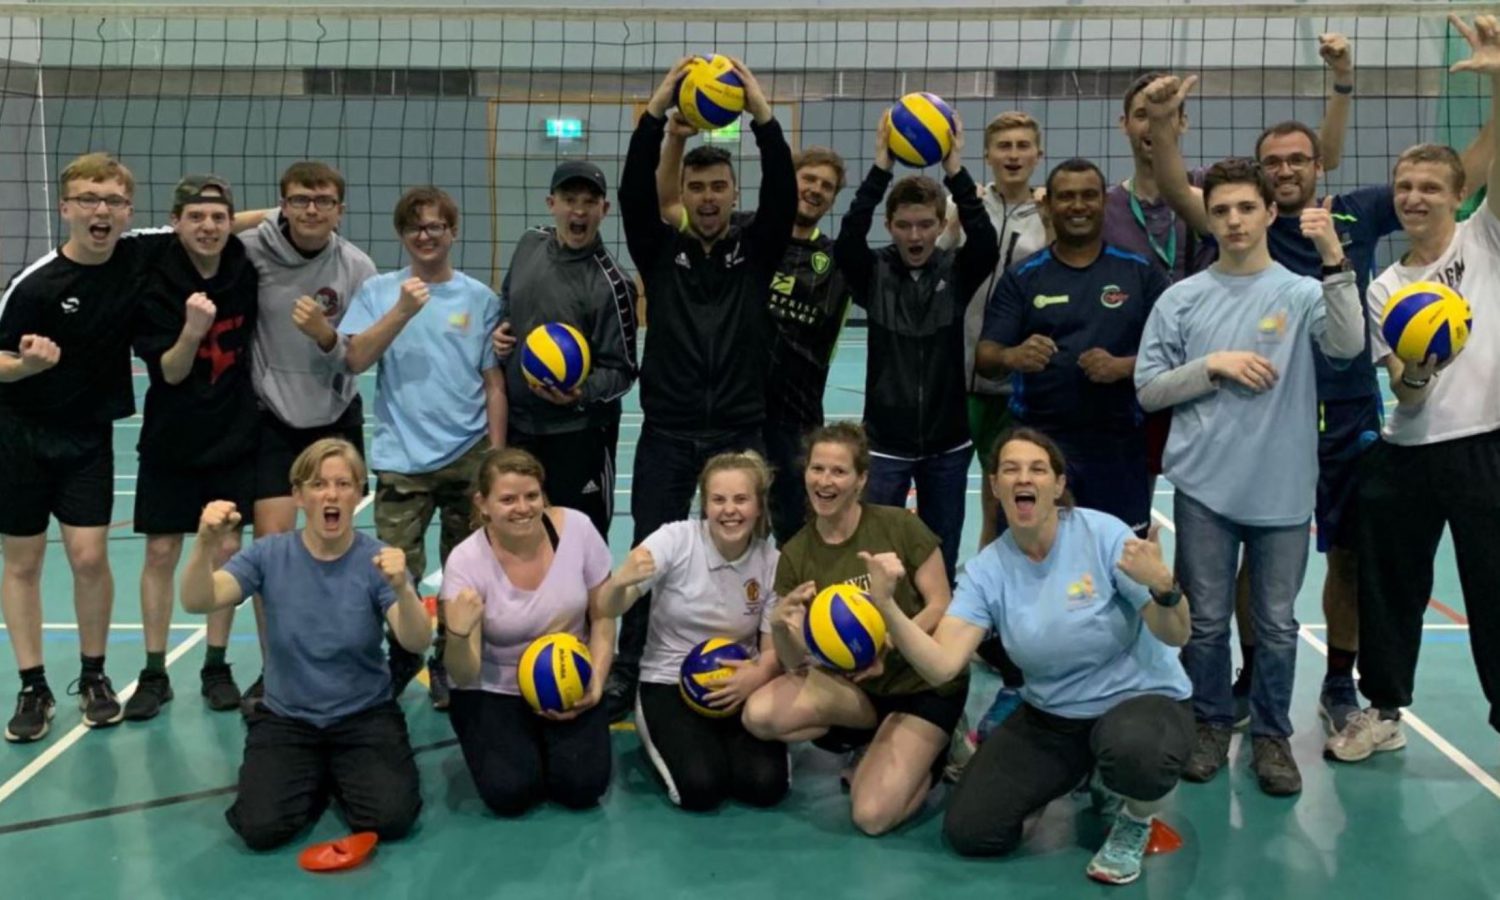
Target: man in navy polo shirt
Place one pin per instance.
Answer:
(1065, 325)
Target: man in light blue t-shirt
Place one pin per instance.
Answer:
(441, 393)
(1230, 350)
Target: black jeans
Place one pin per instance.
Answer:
(788, 484)
(1406, 496)
(293, 768)
(519, 759)
(666, 474)
(1139, 746)
(704, 761)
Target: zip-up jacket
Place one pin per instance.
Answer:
(703, 369)
(915, 383)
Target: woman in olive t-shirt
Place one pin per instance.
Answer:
(903, 724)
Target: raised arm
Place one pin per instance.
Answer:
(937, 657)
(1343, 334)
(1484, 60)
(622, 589)
(1164, 99)
(640, 206)
(975, 261)
(771, 229)
(852, 248)
(407, 616)
(198, 318)
(1339, 57)
(203, 590)
(669, 169)
(367, 346)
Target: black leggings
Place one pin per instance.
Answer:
(704, 761)
(1139, 747)
(519, 759)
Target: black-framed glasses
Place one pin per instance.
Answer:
(429, 229)
(91, 201)
(303, 201)
(1293, 161)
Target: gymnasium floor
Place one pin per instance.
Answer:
(137, 811)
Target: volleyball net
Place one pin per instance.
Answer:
(485, 102)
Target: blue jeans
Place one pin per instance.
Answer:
(942, 484)
(1208, 553)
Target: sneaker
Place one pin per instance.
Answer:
(151, 691)
(33, 718)
(97, 700)
(961, 746)
(1241, 693)
(1365, 734)
(1105, 802)
(219, 688)
(1337, 702)
(404, 666)
(619, 696)
(437, 684)
(1007, 701)
(1210, 753)
(254, 699)
(1119, 860)
(1274, 767)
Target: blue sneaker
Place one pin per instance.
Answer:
(1007, 701)
(1119, 860)
(1337, 702)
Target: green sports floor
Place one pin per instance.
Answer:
(137, 811)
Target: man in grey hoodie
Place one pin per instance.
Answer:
(308, 275)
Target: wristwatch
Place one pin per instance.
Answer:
(1170, 598)
(1338, 268)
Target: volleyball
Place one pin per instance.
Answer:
(921, 129)
(703, 672)
(843, 629)
(710, 94)
(555, 355)
(554, 672)
(1425, 319)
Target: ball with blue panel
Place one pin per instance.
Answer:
(555, 355)
(1424, 319)
(922, 128)
(703, 672)
(710, 94)
(554, 672)
(843, 629)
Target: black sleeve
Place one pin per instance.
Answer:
(17, 315)
(156, 329)
(640, 212)
(976, 260)
(852, 249)
(771, 228)
(1156, 285)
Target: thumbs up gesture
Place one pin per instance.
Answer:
(1317, 226)
(1141, 561)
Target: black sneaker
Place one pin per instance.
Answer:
(1274, 767)
(33, 718)
(151, 691)
(219, 688)
(254, 699)
(1210, 753)
(437, 684)
(96, 697)
(619, 696)
(404, 667)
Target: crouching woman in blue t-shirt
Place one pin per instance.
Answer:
(331, 729)
(1090, 614)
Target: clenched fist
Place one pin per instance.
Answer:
(198, 316)
(38, 354)
(638, 566)
(218, 519)
(307, 315)
(463, 612)
(414, 296)
(392, 565)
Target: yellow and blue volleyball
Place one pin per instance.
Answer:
(710, 94)
(843, 629)
(555, 355)
(703, 671)
(1425, 319)
(921, 129)
(554, 672)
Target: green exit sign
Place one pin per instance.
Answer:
(729, 134)
(564, 129)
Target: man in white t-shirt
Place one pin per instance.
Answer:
(1439, 459)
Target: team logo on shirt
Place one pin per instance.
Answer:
(821, 262)
(328, 298)
(220, 360)
(459, 322)
(1081, 592)
(70, 305)
(1042, 301)
(1112, 297)
(753, 597)
(1272, 328)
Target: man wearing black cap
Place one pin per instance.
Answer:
(198, 437)
(563, 273)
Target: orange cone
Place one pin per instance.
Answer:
(1164, 838)
(337, 855)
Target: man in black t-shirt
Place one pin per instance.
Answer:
(64, 379)
(193, 326)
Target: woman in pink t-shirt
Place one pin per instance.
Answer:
(528, 571)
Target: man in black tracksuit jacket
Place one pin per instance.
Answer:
(704, 366)
(914, 294)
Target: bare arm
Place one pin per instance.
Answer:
(669, 169)
(1339, 57)
(247, 219)
(1164, 99)
(177, 362)
(496, 406)
(203, 590)
(366, 348)
(937, 657)
(601, 640)
(462, 651)
(408, 617)
(931, 580)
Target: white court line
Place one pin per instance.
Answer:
(1435, 627)
(1457, 756)
(35, 767)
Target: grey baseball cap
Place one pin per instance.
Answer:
(190, 190)
(579, 170)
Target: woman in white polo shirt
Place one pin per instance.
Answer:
(708, 578)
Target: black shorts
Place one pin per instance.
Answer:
(51, 470)
(280, 445)
(170, 499)
(942, 710)
(1346, 428)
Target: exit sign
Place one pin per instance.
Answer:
(564, 129)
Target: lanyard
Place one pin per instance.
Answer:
(1169, 254)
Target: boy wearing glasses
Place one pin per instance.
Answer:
(64, 379)
(440, 401)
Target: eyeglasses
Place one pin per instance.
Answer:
(303, 201)
(431, 229)
(92, 201)
(1295, 161)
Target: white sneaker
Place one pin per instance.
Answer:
(1364, 735)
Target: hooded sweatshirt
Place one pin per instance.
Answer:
(298, 382)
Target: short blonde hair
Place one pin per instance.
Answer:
(96, 167)
(1439, 154)
(1008, 120)
(308, 463)
(760, 476)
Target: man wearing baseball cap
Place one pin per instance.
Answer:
(563, 273)
(198, 437)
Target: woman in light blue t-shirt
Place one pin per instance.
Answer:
(1091, 615)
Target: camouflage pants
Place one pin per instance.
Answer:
(404, 506)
